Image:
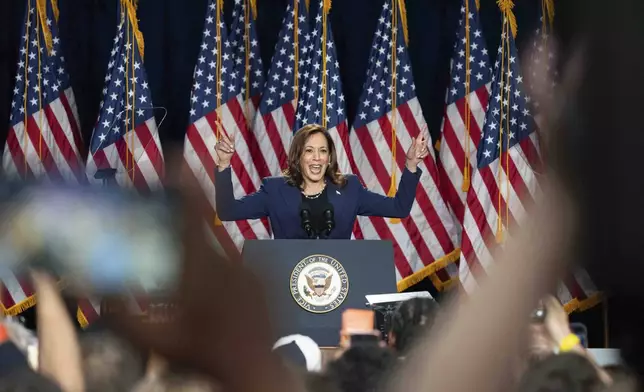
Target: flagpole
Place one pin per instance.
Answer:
(394, 142)
(218, 125)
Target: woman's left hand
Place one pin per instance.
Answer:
(418, 150)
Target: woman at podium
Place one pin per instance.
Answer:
(312, 199)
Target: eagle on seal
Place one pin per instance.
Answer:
(319, 285)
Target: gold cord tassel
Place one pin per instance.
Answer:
(54, 7)
(253, 7)
(130, 6)
(41, 6)
(506, 7)
(327, 6)
(549, 5)
(403, 20)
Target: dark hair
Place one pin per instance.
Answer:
(412, 317)
(361, 369)
(565, 372)
(109, 363)
(320, 382)
(27, 380)
(293, 172)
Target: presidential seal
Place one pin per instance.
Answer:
(319, 283)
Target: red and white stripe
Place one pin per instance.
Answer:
(453, 146)
(48, 146)
(429, 233)
(516, 186)
(274, 132)
(137, 157)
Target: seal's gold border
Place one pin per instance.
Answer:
(291, 279)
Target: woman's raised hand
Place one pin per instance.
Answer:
(418, 150)
(225, 148)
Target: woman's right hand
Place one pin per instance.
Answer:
(225, 148)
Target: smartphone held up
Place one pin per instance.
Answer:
(98, 240)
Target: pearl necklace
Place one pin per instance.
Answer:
(316, 195)
(311, 197)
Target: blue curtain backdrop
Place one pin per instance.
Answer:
(172, 31)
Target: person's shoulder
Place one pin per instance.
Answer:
(351, 181)
(274, 181)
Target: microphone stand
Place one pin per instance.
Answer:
(107, 176)
(305, 215)
(329, 221)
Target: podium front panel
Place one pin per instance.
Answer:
(360, 267)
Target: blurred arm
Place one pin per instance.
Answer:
(59, 351)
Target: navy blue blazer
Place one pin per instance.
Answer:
(281, 201)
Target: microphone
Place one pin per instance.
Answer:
(305, 217)
(329, 220)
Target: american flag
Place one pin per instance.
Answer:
(125, 137)
(389, 114)
(248, 63)
(44, 139)
(466, 102)
(321, 100)
(505, 181)
(217, 107)
(274, 124)
(507, 158)
(248, 80)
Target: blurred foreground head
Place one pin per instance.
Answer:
(410, 319)
(362, 369)
(561, 373)
(595, 143)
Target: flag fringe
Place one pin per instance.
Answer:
(478, 4)
(506, 7)
(30, 301)
(218, 221)
(80, 317)
(441, 286)
(403, 19)
(307, 3)
(580, 306)
(131, 6)
(429, 271)
(20, 306)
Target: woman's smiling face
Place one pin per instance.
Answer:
(314, 160)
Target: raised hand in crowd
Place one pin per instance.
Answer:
(485, 333)
(222, 326)
(59, 351)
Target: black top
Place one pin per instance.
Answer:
(316, 208)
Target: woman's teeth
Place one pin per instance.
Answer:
(316, 169)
